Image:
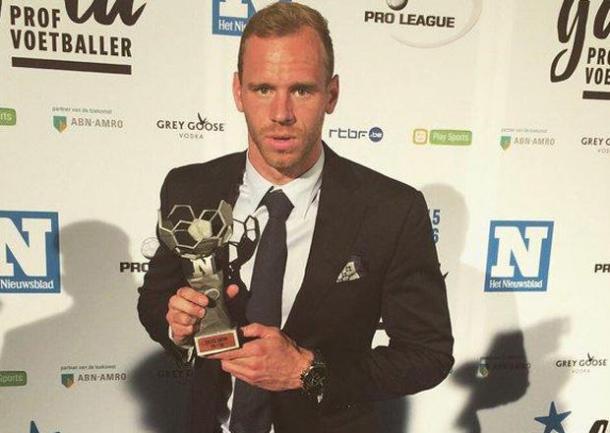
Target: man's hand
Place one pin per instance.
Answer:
(186, 308)
(271, 361)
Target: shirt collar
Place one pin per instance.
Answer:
(301, 191)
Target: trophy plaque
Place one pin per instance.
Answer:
(199, 240)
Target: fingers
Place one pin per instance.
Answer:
(182, 319)
(181, 333)
(266, 337)
(261, 331)
(244, 369)
(187, 300)
(250, 349)
(181, 324)
(232, 291)
(192, 295)
(267, 363)
(187, 307)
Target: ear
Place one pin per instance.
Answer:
(333, 92)
(237, 92)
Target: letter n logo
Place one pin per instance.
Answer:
(518, 256)
(229, 17)
(34, 428)
(29, 252)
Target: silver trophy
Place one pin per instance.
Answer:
(199, 239)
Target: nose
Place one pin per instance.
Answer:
(282, 110)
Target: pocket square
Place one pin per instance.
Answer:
(353, 270)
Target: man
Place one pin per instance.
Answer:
(358, 247)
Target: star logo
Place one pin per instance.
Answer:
(552, 421)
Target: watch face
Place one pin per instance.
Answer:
(314, 378)
(313, 382)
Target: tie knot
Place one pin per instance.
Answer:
(278, 205)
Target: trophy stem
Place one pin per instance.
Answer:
(197, 240)
(216, 333)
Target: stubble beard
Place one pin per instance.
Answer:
(293, 162)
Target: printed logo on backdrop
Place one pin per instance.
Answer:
(526, 138)
(194, 129)
(600, 144)
(518, 256)
(582, 29)
(495, 364)
(75, 375)
(8, 117)
(374, 134)
(67, 379)
(442, 137)
(84, 118)
(425, 23)
(229, 17)
(601, 268)
(599, 426)
(82, 35)
(435, 219)
(29, 252)
(147, 249)
(34, 428)
(13, 378)
(180, 376)
(60, 123)
(579, 365)
(552, 421)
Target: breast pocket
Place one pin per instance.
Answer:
(349, 307)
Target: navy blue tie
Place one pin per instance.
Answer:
(251, 412)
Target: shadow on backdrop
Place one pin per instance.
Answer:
(163, 390)
(90, 253)
(394, 415)
(502, 375)
(91, 331)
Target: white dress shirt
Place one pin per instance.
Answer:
(303, 192)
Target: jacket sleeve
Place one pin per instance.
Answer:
(163, 279)
(416, 318)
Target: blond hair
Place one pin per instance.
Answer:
(282, 19)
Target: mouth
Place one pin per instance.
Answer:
(281, 141)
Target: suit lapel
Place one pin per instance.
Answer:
(236, 175)
(339, 216)
(223, 182)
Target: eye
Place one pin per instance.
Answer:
(263, 90)
(302, 91)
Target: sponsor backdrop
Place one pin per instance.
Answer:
(497, 111)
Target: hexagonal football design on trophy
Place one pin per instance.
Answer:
(192, 236)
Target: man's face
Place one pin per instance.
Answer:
(284, 93)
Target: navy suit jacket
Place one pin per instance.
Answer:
(361, 214)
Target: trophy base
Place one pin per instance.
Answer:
(209, 344)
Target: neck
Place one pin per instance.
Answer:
(282, 175)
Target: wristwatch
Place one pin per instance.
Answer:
(313, 378)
